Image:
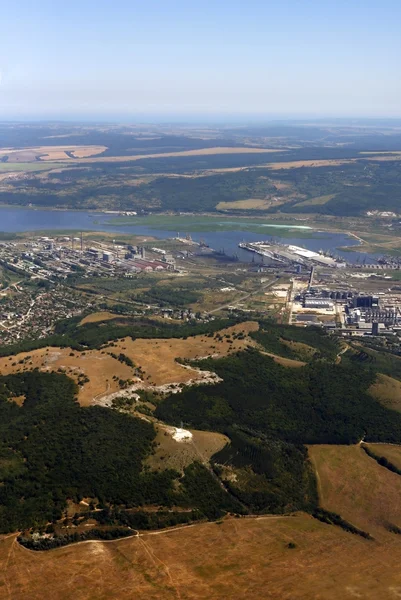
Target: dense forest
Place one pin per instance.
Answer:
(350, 188)
(269, 412)
(353, 185)
(51, 450)
(278, 338)
(68, 332)
(320, 403)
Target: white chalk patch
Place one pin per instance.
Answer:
(182, 435)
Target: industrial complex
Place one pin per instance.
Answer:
(289, 254)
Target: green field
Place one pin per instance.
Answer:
(11, 167)
(209, 223)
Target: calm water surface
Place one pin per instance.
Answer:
(20, 219)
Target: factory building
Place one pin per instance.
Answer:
(375, 328)
(365, 301)
(321, 303)
(107, 257)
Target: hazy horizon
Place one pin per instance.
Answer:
(168, 60)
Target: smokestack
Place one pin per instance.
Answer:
(312, 271)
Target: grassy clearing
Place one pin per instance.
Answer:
(285, 362)
(318, 201)
(238, 559)
(303, 350)
(98, 316)
(249, 204)
(170, 454)
(389, 451)
(387, 391)
(353, 485)
(98, 368)
(156, 357)
(23, 166)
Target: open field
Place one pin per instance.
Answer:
(98, 316)
(320, 200)
(171, 454)
(387, 391)
(286, 362)
(21, 167)
(197, 152)
(99, 368)
(156, 357)
(240, 559)
(356, 487)
(249, 204)
(87, 153)
(300, 348)
(389, 451)
(296, 164)
(49, 153)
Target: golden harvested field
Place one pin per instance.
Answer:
(49, 153)
(178, 455)
(296, 164)
(98, 316)
(239, 559)
(251, 203)
(387, 391)
(381, 157)
(199, 152)
(356, 487)
(155, 356)
(389, 451)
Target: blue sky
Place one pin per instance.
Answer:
(226, 58)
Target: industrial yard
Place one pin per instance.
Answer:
(290, 254)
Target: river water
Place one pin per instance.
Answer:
(14, 220)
